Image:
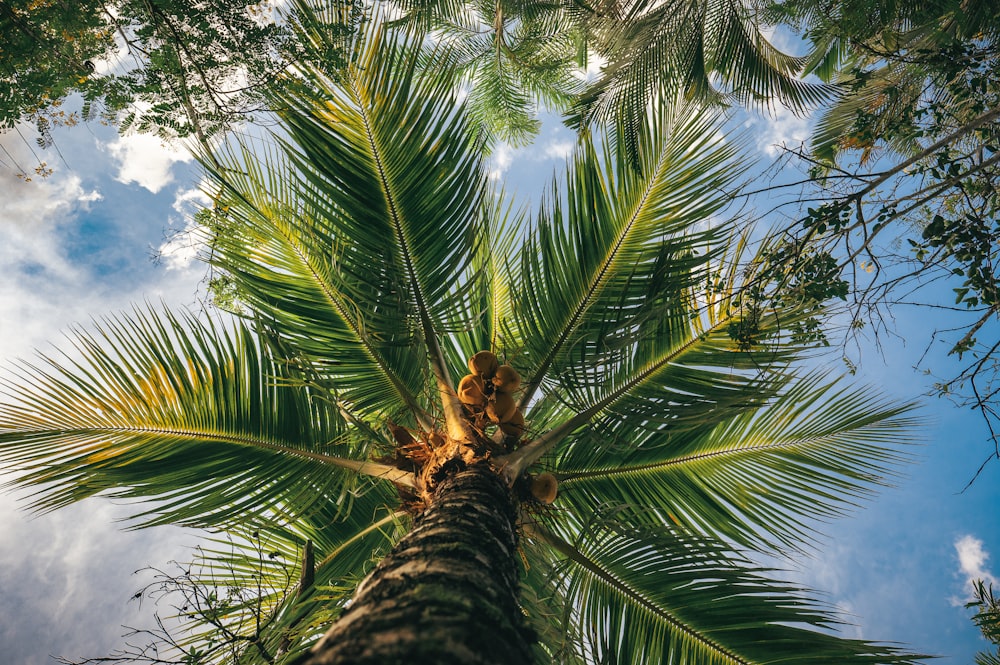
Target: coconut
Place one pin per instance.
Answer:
(544, 487)
(514, 426)
(470, 390)
(506, 379)
(501, 408)
(483, 364)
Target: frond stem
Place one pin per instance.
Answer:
(458, 427)
(368, 468)
(685, 459)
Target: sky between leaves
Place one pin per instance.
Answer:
(80, 244)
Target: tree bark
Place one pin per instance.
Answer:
(447, 593)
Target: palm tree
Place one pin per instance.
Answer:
(516, 56)
(374, 260)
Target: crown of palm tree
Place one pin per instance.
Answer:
(375, 258)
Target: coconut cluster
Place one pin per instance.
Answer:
(488, 394)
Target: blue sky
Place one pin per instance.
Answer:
(78, 244)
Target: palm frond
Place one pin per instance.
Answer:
(428, 15)
(756, 475)
(707, 52)
(395, 178)
(527, 63)
(285, 262)
(878, 109)
(345, 552)
(499, 101)
(691, 353)
(752, 70)
(687, 355)
(547, 607)
(644, 595)
(617, 241)
(488, 321)
(513, 57)
(357, 191)
(192, 414)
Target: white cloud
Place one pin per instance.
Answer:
(595, 63)
(34, 218)
(90, 197)
(144, 159)
(189, 201)
(181, 249)
(66, 577)
(556, 149)
(70, 576)
(972, 560)
(780, 128)
(784, 39)
(54, 273)
(554, 144)
(35, 206)
(500, 160)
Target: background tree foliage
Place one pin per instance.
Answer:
(178, 68)
(518, 56)
(902, 170)
(987, 617)
(184, 68)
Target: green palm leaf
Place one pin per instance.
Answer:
(486, 324)
(645, 595)
(335, 245)
(756, 475)
(269, 243)
(346, 551)
(394, 178)
(686, 354)
(513, 57)
(704, 51)
(615, 244)
(547, 606)
(884, 104)
(691, 355)
(194, 415)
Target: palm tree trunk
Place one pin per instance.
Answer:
(447, 593)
